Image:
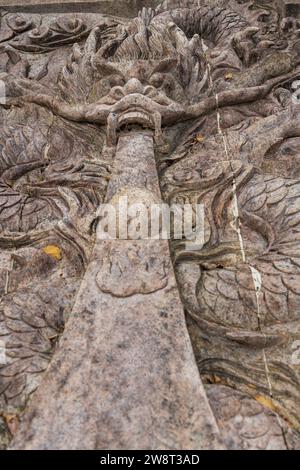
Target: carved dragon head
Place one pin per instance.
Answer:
(150, 72)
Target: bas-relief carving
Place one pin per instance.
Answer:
(216, 85)
(135, 269)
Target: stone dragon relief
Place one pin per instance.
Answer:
(217, 86)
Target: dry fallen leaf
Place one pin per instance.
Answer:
(200, 138)
(228, 76)
(53, 251)
(12, 422)
(251, 386)
(266, 401)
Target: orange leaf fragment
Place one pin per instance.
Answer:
(54, 251)
(266, 401)
(200, 138)
(12, 422)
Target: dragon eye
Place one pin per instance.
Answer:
(116, 80)
(157, 80)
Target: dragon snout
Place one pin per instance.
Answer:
(133, 86)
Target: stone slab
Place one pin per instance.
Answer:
(124, 375)
(120, 7)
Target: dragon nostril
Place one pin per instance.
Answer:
(150, 91)
(117, 92)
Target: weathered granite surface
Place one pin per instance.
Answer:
(191, 104)
(123, 8)
(291, 8)
(124, 375)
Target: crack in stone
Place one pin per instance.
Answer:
(256, 275)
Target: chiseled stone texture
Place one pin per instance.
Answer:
(190, 103)
(110, 7)
(246, 425)
(291, 8)
(124, 375)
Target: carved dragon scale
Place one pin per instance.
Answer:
(186, 103)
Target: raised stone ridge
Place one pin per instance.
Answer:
(113, 7)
